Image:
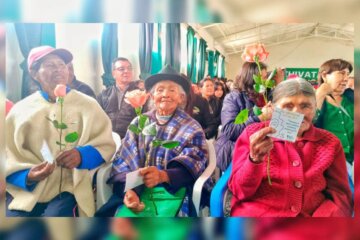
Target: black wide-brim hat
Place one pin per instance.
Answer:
(170, 74)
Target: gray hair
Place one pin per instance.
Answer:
(181, 90)
(293, 87)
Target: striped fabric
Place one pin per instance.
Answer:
(192, 152)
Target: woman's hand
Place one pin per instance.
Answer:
(321, 93)
(260, 144)
(324, 89)
(132, 201)
(153, 176)
(69, 159)
(267, 111)
(40, 172)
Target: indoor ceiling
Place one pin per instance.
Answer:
(232, 38)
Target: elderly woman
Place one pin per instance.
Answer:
(308, 176)
(335, 105)
(171, 168)
(243, 96)
(36, 186)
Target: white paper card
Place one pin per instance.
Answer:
(286, 123)
(133, 179)
(46, 153)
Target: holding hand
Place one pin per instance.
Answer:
(153, 176)
(40, 172)
(324, 89)
(69, 159)
(260, 144)
(132, 201)
(267, 111)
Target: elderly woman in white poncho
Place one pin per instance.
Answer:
(36, 187)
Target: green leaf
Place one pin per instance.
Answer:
(150, 130)
(62, 126)
(156, 143)
(55, 123)
(60, 144)
(138, 111)
(142, 121)
(257, 111)
(242, 116)
(257, 79)
(60, 100)
(71, 137)
(270, 83)
(257, 87)
(170, 144)
(134, 129)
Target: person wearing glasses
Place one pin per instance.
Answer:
(335, 105)
(112, 98)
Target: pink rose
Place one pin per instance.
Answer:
(8, 106)
(257, 49)
(136, 98)
(60, 90)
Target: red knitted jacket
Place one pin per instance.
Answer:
(309, 178)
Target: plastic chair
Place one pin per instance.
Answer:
(103, 190)
(199, 184)
(218, 194)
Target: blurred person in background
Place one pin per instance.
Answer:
(230, 84)
(335, 105)
(350, 83)
(243, 96)
(207, 88)
(197, 107)
(195, 89)
(220, 92)
(309, 177)
(112, 98)
(78, 85)
(37, 187)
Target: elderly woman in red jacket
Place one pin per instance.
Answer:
(308, 176)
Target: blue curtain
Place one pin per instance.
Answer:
(191, 51)
(109, 51)
(202, 58)
(211, 63)
(216, 64)
(222, 67)
(145, 49)
(92, 11)
(32, 35)
(10, 10)
(156, 63)
(194, 71)
(173, 43)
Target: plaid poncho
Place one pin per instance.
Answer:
(192, 152)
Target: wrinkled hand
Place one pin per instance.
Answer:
(153, 176)
(324, 89)
(132, 201)
(40, 172)
(260, 144)
(123, 228)
(267, 111)
(69, 159)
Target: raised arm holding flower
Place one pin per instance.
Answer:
(246, 104)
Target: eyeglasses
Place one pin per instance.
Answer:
(123, 69)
